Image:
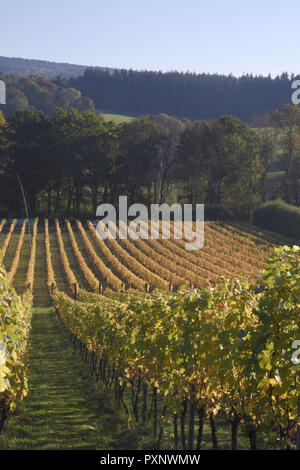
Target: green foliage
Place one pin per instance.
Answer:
(286, 121)
(219, 163)
(133, 93)
(74, 159)
(278, 327)
(2, 119)
(225, 349)
(64, 409)
(41, 94)
(15, 317)
(280, 217)
(194, 96)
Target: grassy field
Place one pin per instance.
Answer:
(119, 118)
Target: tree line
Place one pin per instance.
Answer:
(190, 95)
(73, 161)
(185, 95)
(41, 93)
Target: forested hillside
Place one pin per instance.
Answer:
(28, 67)
(195, 96)
(185, 95)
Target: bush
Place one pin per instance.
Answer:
(280, 217)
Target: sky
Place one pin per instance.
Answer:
(223, 36)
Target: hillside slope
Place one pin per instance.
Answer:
(26, 67)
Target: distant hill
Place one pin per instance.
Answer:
(135, 93)
(26, 67)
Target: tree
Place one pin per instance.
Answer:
(267, 145)
(287, 121)
(73, 132)
(140, 143)
(164, 162)
(218, 163)
(192, 152)
(234, 166)
(28, 133)
(103, 151)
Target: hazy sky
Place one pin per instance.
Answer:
(225, 36)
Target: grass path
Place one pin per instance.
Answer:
(63, 409)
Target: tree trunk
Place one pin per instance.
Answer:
(155, 412)
(234, 429)
(4, 411)
(162, 426)
(191, 426)
(175, 422)
(200, 427)
(94, 197)
(136, 400)
(57, 198)
(213, 431)
(144, 405)
(70, 197)
(252, 437)
(49, 201)
(182, 424)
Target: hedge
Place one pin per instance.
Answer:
(280, 217)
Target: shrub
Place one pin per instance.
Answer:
(280, 217)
